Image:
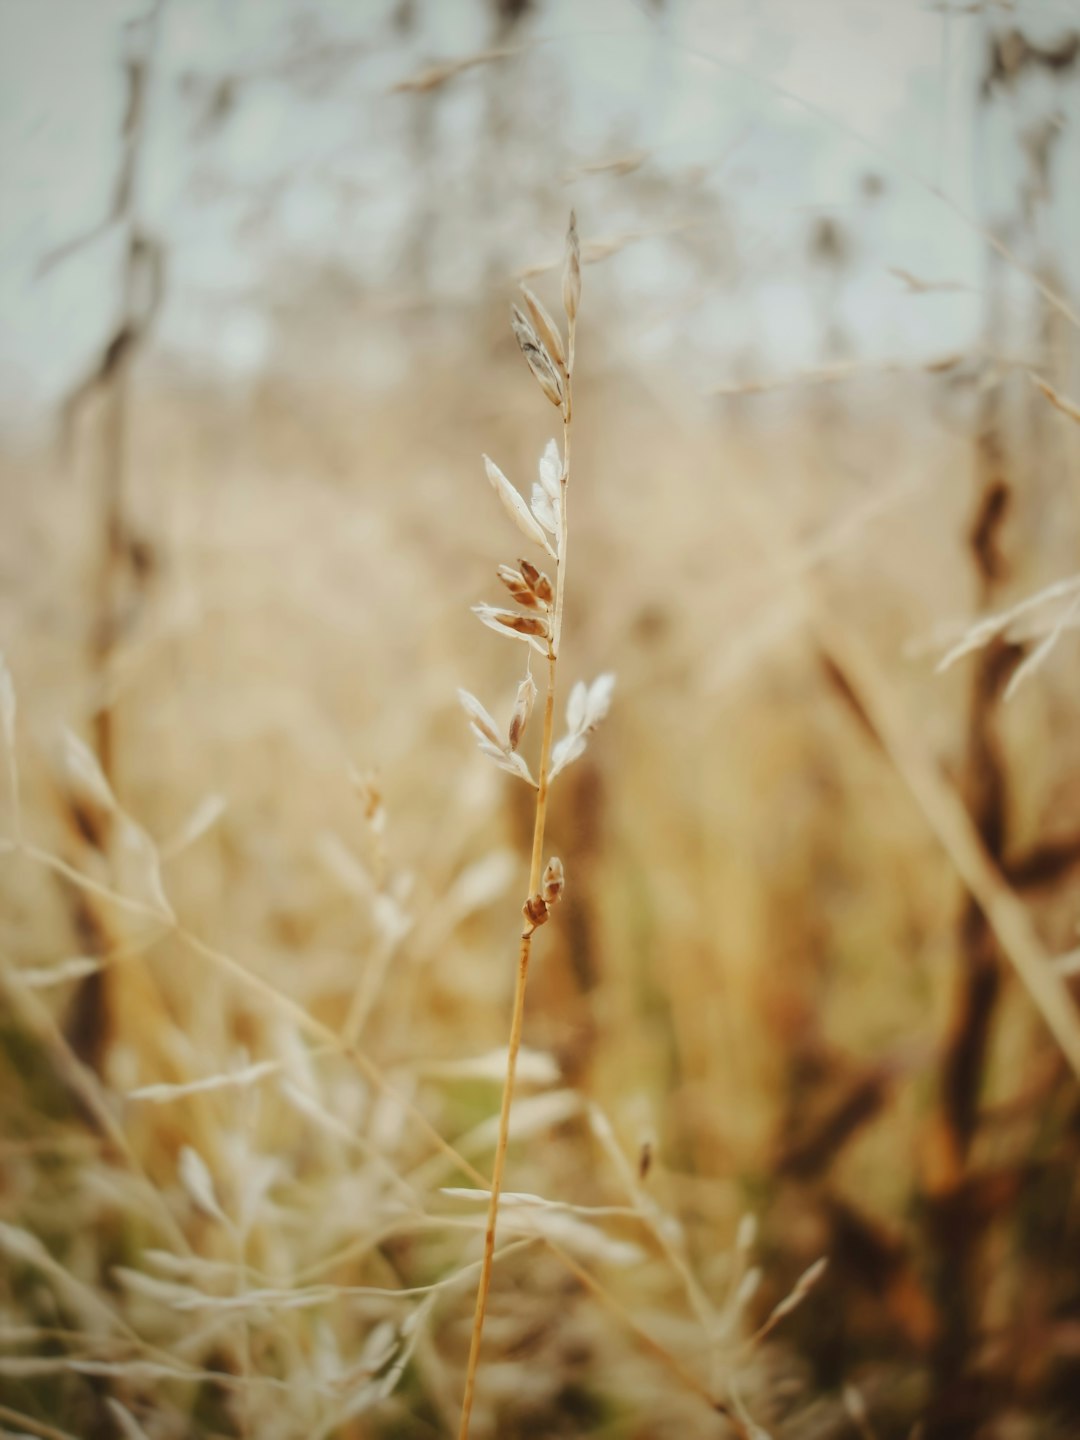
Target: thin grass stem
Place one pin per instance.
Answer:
(517, 1020)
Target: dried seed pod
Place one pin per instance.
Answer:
(510, 620)
(587, 706)
(518, 585)
(529, 573)
(545, 326)
(535, 911)
(537, 582)
(524, 624)
(490, 741)
(510, 577)
(523, 705)
(571, 285)
(482, 722)
(540, 362)
(554, 881)
(515, 506)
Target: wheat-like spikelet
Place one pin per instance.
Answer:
(538, 622)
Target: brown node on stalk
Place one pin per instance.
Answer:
(535, 911)
(537, 908)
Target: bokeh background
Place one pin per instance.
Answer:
(809, 993)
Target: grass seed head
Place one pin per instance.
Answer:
(523, 705)
(515, 506)
(482, 722)
(538, 582)
(554, 881)
(528, 585)
(517, 583)
(545, 327)
(534, 625)
(540, 362)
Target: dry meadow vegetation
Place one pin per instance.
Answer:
(794, 1141)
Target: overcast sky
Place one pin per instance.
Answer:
(776, 110)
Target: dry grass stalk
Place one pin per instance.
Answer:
(1030, 612)
(951, 822)
(944, 811)
(434, 77)
(544, 522)
(1059, 401)
(1043, 617)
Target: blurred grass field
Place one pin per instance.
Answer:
(759, 999)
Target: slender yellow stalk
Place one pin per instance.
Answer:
(525, 948)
